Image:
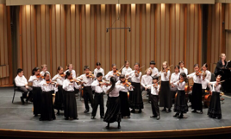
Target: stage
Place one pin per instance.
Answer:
(18, 117)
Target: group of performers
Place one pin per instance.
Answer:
(123, 88)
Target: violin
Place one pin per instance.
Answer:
(62, 75)
(89, 75)
(198, 73)
(40, 76)
(167, 69)
(181, 81)
(116, 73)
(104, 82)
(49, 82)
(155, 84)
(126, 83)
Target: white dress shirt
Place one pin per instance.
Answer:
(126, 89)
(115, 91)
(163, 77)
(175, 77)
(184, 70)
(87, 81)
(68, 86)
(180, 86)
(73, 73)
(97, 86)
(59, 79)
(36, 81)
(196, 79)
(97, 71)
(20, 81)
(126, 70)
(110, 74)
(42, 73)
(47, 87)
(146, 80)
(208, 75)
(204, 83)
(154, 91)
(154, 71)
(133, 77)
(215, 88)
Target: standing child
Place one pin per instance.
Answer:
(182, 68)
(126, 68)
(145, 81)
(71, 70)
(180, 106)
(174, 78)
(98, 69)
(215, 104)
(153, 68)
(154, 97)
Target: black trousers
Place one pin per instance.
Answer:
(98, 100)
(154, 103)
(88, 97)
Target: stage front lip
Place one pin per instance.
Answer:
(116, 134)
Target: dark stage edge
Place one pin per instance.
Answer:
(17, 120)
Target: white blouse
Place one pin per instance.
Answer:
(163, 77)
(126, 89)
(110, 74)
(208, 75)
(87, 81)
(184, 70)
(204, 83)
(47, 87)
(68, 86)
(126, 70)
(196, 79)
(180, 86)
(175, 77)
(154, 71)
(59, 79)
(20, 81)
(73, 73)
(115, 91)
(97, 86)
(215, 88)
(154, 91)
(146, 80)
(36, 81)
(97, 71)
(43, 73)
(133, 77)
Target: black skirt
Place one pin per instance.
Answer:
(215, 105)
(124, 104)
(165, 95)
(135, 97)
(37, 100)
(113, 110)
(70, 106)
(59, 99)
(180, 105)
(197, 96)
(47, 112)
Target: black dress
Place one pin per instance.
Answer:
(165, 95)
(113, 110)
(59, 99)
(37, 100)
(215, 106)
(197, 97)
(135, 97)
(180, 103)
(70, 106)
(47, 112)
(124, 104)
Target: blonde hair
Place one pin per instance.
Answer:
(43, 66)
(222, 54)
(148, 70)
(165, 62)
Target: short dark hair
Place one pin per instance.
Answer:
(152, 63)
(196, 65)
(34, 70)
(45, 74)
(177, 66)
(181, 62)
(68, 73)
(155, 77)
(113, 65)
(137, 64)
(99, 74)
(86, 67)
(19, 70)
(122, 76)
(59, 68)
(98, 64)
(206, 65)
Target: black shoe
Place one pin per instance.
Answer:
(119, 127)
(133, 111)
(92, 117)
(219, 117)
(140, 111)
(76, 118)
(158, 118)
(35, 115)
(86, 111)
(194, 111)
(107, 127)
(101, 117)
(58, 113)
(66, 118)
(176, 115)
(169, 110)
(181, 116)
(201, 112)
(153, 116)
(163, 109)
(128, 117)
(22, 100)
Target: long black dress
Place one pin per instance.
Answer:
(165, 95)
(37, 100)
(197, 97)
(180, 105)
(59, 99)
(113, 110)
(135, 97)
(47, 112)
(70, 106)
(124, 104)
(215, 106)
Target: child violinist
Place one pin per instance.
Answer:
(165, 95)
(59, 98)
(145, 81)
(44, 70)
(113, 73)
(174, 78)
(98, 97)
(71, 70)
(37, 91)
(214, 110)
(197, 89)
(182, 68)
(126, 68)
(180, 106)
(135, 96)
(125, 112)
(98, 69)
(153, 68)
(205, 70)
(154, 97)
